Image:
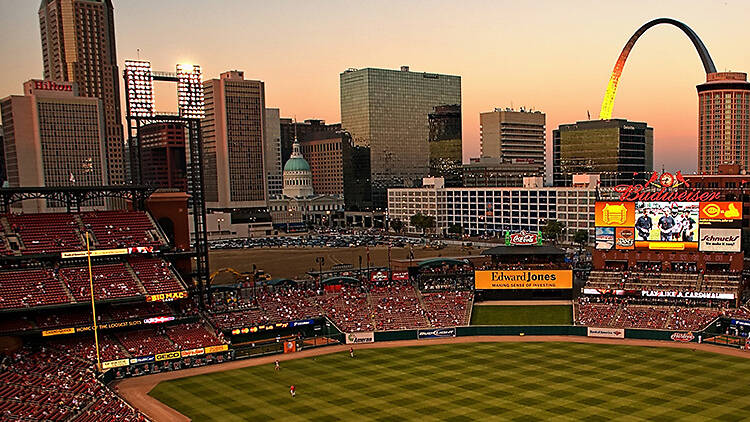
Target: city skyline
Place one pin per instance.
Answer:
(553, 57)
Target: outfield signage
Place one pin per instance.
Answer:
(115, 363)
(720, 240)
(101, 252)
(166, 297)
(362, 337)
(191, 352)
(57, 332)
(688, 294)
(523, 238)
(537, 279)
(167, 356)
(740, 322)
(682, 337)
(142, 359)
(605, 332)
(664, 187)
(216, 349)
(436, 333)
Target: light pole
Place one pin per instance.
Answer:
(320, 260)
(219, 221)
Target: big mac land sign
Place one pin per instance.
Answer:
(663, 188)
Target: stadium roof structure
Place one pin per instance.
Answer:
(339, 280)
(523, 250)
(441, 261)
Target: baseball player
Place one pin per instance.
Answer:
(292, 391)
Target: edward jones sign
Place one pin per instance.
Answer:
(537, 279)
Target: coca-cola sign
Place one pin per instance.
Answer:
(523, 238)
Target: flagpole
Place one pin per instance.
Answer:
(93, 307)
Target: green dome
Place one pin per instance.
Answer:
(296, 164)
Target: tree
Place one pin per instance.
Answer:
(422, 222)
(581, 237)
(552, 230)
(455, 229)
(397, 225)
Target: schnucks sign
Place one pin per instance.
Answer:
(664, 188)
(523, 238)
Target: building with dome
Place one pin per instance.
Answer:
(298, 205)
(297, 175)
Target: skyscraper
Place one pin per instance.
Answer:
(163, 155)
(291, 129)
(516, 138)
(723, 115)
(78, 45)
(272, 152)
(387, 111)
(620, 151)
(53, 137)
(233, 138)
(446, 149)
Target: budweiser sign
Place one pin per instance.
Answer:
(523, 238)
(664, 188)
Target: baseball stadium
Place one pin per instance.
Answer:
(103, 320)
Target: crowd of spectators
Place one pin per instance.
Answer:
(46, 384)
(380, 306)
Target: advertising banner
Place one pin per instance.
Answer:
(191, 352)
(436, 333)
(166, 297)
(167, 356)
(379, 276)
(605, 332)
(115, 363)
(614, 214)
(523, 238)
(688, 294)
(142, 359)
(740, 322)
(605, 238)
(290, 346)
(682, 337)
(720, 212)
(158, 320)
(102, 252)
(302, 323)
(216, 349)
(400, 276)
(624, 238)
(110, 325)
(536, 279)
(57, 332)
(616, 292)
(720, 240)
(357, 338)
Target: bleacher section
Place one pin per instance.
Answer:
(110, 282)
(33, 287)
(63, 232)
(122, 229)
(387, 307)
(155, 275)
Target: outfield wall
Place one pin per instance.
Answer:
(541, 330)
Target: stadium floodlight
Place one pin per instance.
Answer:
(139, 84)
(190, 91)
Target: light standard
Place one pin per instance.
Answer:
(320, 260)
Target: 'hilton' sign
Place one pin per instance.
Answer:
(52, 86)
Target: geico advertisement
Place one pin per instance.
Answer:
(553, 279)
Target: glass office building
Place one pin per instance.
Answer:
(620, 151)
(387, 111)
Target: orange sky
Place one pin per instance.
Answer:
(555, 56)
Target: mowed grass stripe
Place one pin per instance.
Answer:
(508, 381)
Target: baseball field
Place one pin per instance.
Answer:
(476, 381)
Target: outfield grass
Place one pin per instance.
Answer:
(479, 381)
(522, 315)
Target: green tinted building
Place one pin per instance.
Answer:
(620, 151)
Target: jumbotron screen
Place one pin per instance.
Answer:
(705, 226)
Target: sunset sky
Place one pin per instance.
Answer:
(554, 56)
